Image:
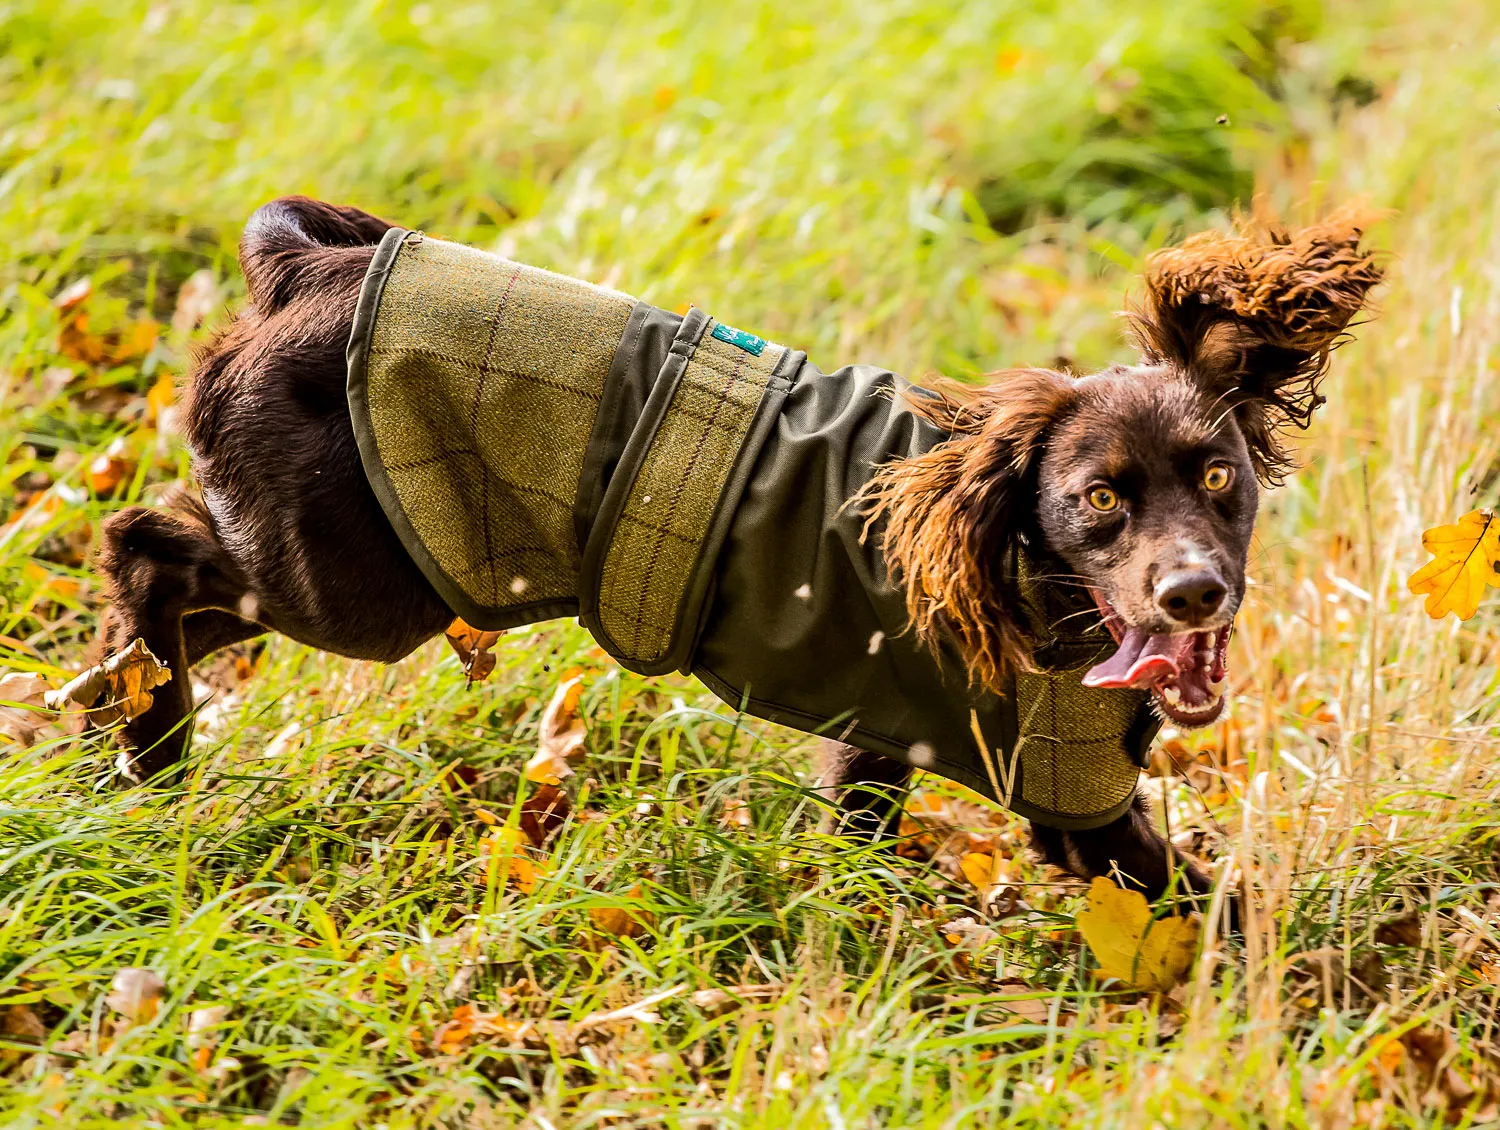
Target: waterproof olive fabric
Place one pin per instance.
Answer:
(545, 447)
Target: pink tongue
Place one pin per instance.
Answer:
(1143, 660)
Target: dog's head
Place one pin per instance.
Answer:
(1143, 480)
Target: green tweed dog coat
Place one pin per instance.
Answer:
(544, 448)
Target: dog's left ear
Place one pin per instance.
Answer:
(1253, 316)
(953, 515)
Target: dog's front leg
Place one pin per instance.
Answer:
(171, 585)
(868, 789)
(1128, 849)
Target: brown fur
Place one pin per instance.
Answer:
(954, 512)
(1248, 318)
(290, 537)
(1256, 314)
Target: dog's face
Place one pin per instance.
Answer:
(1142, 479)
(1146, 491)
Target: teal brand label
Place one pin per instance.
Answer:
(740, 339)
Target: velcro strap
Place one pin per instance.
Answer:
(668, 496)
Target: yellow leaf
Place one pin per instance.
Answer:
(1465, 557)
(978, 868)
(1131, 947)
(124, 682)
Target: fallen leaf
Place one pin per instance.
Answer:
(21, 697)
(1129, 945)
(504, 851)
(562, 736)
(1403, 931)
(978, 869)
(543, 813)
(136, 994)
(473, 648)
(470, 1023)
(161, 396)
(1466, 557)
(74, 295)
(197, 299)
(621, 922)
(110, 468)
(639, 1012)
(716, 1002)
(124, 681)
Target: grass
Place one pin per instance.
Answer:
(932, 189)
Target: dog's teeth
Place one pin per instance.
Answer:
(1172, 695)
(1216, 688)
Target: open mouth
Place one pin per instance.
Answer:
(1186, 671)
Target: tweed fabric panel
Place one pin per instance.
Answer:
(1071, 741)
(658, 537)
(484, 378)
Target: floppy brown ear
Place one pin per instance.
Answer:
(954, 515)
(1253, 317)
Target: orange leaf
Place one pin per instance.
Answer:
(1465, 558)
(543, 813)
(562, 735)
(620, 922)
(473, 648)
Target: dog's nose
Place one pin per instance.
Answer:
(1190, 597)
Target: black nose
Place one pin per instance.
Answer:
(1190, 597)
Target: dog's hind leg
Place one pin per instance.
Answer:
(172, 585)
(868, 790)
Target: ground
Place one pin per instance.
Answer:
(349, 914)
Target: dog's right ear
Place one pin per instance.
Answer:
(955, 514)
(274, 249)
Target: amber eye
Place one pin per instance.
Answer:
(1217, 477)
(1103, 499)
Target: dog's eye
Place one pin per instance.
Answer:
(1103, 499)
(1217, 476)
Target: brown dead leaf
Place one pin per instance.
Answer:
(198, 298)
(471, 1024)
(1431, 1050)
(504, 853)
(638, 1013)
(561, 738)
(621, 922)
(1405, 930)
(543, 813)
(115, 690)
(22, 697)
(473, 648)
(136, 994)
(110, 468)
(716, 1002)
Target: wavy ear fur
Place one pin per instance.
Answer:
(954, 515)
(1253, 316)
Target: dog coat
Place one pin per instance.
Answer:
(545, 448)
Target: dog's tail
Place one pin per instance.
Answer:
(284, 242)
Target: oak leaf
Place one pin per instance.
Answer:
(136, 994)
(620, 921)
(473, 648)
(1465, 558)
(561, 737)
(22, 697)
(117, 689)
(1129, 945)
